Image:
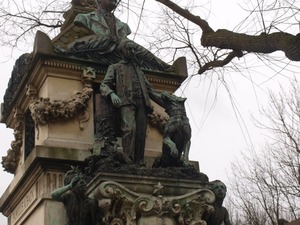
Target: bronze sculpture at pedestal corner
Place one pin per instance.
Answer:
(220, 214)
(106, 33)
(81, 209)
(128, 89)
(177, 133)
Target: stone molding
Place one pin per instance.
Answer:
(40, 189)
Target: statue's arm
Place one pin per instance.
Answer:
(58, 193)
(107, 84)
(108, 81)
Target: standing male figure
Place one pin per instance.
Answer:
(128, 89)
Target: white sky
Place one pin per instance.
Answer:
(218, 139)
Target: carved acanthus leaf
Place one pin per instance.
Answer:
(187, 208)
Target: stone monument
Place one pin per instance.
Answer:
(91, 147)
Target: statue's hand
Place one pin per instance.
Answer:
(115, 100)
(74, 181)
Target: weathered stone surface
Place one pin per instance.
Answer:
(62, 100)
(131, 207)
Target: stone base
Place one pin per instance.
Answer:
(27, 200)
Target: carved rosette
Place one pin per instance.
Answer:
(131, 208)
(10, 162)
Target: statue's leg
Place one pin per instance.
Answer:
(141, 129)
(186, 151)
(128, 128)
(187, 141)
(170, 146)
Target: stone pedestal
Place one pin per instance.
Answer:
(50, 104)
(54, 105)
(27, 200)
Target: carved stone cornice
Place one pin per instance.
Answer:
(35, 69)
(18, 75)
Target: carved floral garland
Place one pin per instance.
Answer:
(10, 162)
(44, 111)
(158, 121)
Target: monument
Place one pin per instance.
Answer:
(99, 138)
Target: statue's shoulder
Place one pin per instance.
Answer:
(123, 25)
(118, 66)
(86, 16)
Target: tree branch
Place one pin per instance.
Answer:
(189, 16)
(224, 39)
(220, 63)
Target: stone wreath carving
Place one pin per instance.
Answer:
(44, 111)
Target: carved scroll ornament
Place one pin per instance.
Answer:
(131, 208)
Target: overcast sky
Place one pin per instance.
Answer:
(221, 123)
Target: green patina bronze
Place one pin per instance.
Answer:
(107, 32)
(128, 89)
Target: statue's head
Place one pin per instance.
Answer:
(127, 48)
(219, 189)
(80, 185)
(107, 5)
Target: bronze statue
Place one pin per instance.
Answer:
(107, 32)
(177, 133)
(128, 89)
(81, 210)
(220, 214)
